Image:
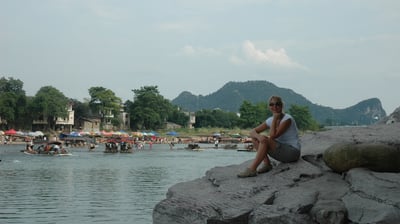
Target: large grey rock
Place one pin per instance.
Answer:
(342, 157)
(373, 197)
(307, 191)
(329, 211)
(221, 197)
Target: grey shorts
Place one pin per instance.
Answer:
(285, 153)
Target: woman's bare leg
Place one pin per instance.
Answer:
(262, 148)
(262, 153)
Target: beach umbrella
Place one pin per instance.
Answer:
(237, 135)
(172, 133)
(84, 133)
(32, 134)
(147, 134)
(39, 133)
(10, 132)
(106, 134)
(97, 133)
(74, 134)
(216, 134)
(117, 133)
(123, 133)
(154, 133)
(137, 134)
(20, 133)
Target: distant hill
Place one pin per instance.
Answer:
(232, 94)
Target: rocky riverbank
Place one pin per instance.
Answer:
(307, 191)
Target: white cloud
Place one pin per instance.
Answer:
(277, 57)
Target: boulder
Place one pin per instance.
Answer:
(342, 157)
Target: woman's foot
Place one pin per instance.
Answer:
(265, 168)
(247, 173)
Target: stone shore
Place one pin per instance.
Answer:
(307, 191)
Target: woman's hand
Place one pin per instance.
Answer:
(277, 116)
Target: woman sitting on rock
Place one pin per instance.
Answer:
(282, 143)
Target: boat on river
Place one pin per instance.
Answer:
(52, 148)
(122, 145)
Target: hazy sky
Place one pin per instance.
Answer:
(335, 53)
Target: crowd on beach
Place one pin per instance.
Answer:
(124, 142)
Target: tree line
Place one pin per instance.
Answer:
(148, 109)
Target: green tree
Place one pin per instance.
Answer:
(7, 107)
(11, 85)
(225, 119)
(81, 109)
(303, 117)
(177, 116)
(216, 118)
(104, 103)
(205, 119)
(252, 115)
(49, 104)
(13, 103)
(150, 110)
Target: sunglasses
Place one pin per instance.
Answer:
(278, 104)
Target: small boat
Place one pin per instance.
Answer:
(52, 148)
(111, 147)
(193, 146)
(247, 148)
(230, 146)
(124, 145)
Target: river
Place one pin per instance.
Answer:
(96, 187)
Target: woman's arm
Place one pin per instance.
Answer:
(278, 127)
(255, 133)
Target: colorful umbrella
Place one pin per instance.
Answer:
(172, 133)
(10, 132)
(137, 134)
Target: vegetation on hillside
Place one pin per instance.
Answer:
(149, 110)
(231, 96)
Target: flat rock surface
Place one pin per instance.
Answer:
(306, 191)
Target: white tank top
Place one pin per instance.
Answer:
(291, 135)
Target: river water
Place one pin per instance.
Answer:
(95, 187)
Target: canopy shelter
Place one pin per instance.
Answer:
(216, 134)
(106, 134)
(121, 133)
(74, 134)
(38, 133)
(137, 134)
(150, 133)
(10, 132)
(236, 135)
(172, 133)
